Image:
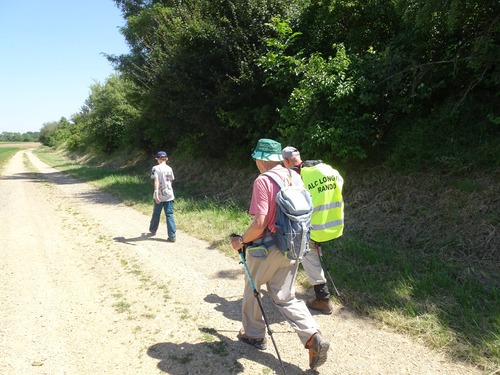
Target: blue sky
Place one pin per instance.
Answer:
(51, 52)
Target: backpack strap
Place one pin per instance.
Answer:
(276, 177)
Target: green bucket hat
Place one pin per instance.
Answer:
(267, 150)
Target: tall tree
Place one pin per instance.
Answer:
(108, 117)
(194, 62)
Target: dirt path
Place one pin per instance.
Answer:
(83, 290)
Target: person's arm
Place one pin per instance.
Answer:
(156, 185)
(252, 233)
(259, 210)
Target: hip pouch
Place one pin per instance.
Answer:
(261, 247)
(257, 251)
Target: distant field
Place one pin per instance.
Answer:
(20, 144)
(8, 149)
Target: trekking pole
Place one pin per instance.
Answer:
(320, 253)
(241, 253)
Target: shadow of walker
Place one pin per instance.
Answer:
(142, 237)
(218, 355)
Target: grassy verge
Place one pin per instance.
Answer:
(421, 295)
(5, 154)
(404, 269)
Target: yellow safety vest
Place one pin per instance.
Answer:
(325, 185)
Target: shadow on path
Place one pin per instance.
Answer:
(219, 354)
(142, 237)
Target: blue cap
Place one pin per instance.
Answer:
(161, 154)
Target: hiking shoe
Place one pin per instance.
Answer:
(171, 239)
(318, 350)
(151, 233)
(260, 344)
(321, 305)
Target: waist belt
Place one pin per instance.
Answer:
(266, 241)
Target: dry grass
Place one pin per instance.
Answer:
(455, 216)
(206, 178)
(19, 145)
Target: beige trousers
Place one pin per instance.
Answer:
(278, 273)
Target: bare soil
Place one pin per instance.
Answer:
(85, 290)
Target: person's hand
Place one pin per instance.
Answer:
(236, 242)
(156, 197)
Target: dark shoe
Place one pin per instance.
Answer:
(318, 350)
(260, 344)
(152, 233)
(324, 306)
(171, 239)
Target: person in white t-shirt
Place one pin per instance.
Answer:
(163, 196)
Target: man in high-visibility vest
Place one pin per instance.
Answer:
(327, 222)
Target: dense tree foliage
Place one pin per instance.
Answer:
(19, 137)
(109, 118)
(108, 121)
(412, 82)
(194, 63)
(417, 81)
(55, 133)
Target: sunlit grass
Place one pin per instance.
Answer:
(418, 294)
(5, 154)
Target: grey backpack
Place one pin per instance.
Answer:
(293, 216)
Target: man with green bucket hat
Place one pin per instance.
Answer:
(270, 266)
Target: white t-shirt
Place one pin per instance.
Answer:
(165, 176)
